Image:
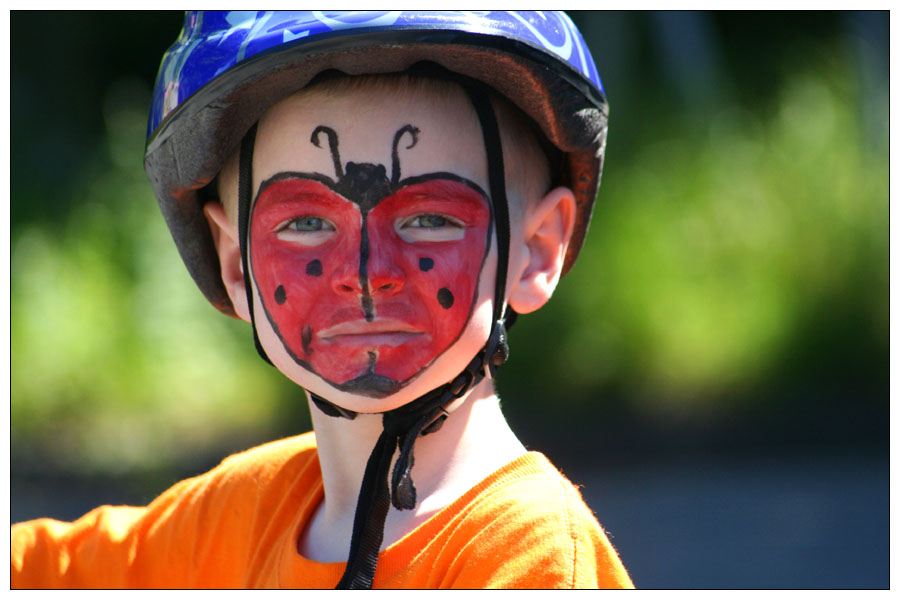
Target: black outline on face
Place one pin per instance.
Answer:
(366, 185)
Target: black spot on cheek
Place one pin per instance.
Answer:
(425, 263)
(314, 268)
(445, 297)
(280, 295)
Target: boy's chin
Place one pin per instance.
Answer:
(370, 393)
(371, 385)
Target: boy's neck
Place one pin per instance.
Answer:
(474, 441)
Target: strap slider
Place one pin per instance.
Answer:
(497, 348)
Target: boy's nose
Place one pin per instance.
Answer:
(346, 281)
(378, 267)
(384, 279)
(375, 276)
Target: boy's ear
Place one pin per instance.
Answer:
(547, 230)
(225, 238)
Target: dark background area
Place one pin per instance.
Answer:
(714, 371)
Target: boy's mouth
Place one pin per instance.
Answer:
(380, 332)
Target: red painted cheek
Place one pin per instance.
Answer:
(441, 278)
(296, 282)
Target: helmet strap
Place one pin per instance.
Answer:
(245, 192)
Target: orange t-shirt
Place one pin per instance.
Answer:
(237, 526)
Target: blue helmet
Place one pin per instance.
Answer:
(227, 68)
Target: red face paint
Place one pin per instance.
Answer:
(366, 300)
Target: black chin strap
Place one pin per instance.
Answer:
(426, 414)
(402, 427)
(245, 191)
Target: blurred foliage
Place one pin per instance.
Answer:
(738, 257)
(721, 254)
(117, 363)
(738, 254)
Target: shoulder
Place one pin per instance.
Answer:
(532, 490)
(196, 534)
(250, 471)
(529, 527)
(199, 532)
(242, 485)
(284, 457)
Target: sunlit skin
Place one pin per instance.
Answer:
(367, 293)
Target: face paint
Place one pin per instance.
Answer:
(367, 280)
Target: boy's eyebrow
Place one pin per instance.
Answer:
(438, 190)
(283, 175)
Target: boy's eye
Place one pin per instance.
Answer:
(309, 224)
(307, 230)
(430, 228)
(427, 221)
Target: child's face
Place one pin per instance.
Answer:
(369, 239)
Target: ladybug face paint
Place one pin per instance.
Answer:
(366, 280)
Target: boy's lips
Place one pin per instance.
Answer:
(380, 332)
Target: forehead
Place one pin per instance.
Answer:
(366, 119)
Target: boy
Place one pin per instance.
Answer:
(378, 214)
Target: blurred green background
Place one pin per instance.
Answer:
(732, 296)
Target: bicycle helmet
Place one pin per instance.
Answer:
(227, 69)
